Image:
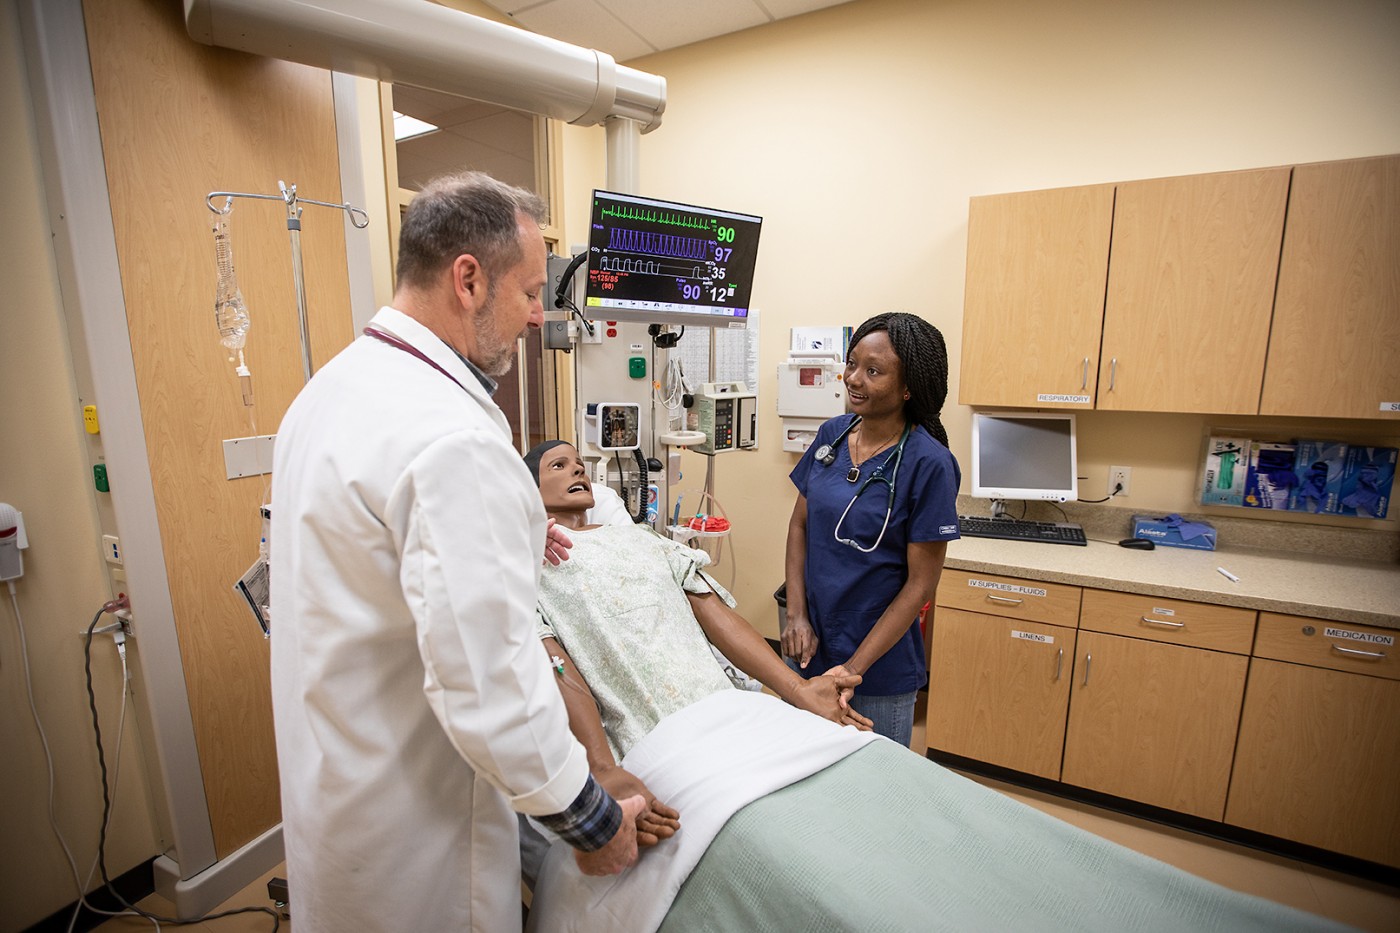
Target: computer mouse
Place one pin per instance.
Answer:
(1140, 544)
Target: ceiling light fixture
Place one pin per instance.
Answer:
(406, 127)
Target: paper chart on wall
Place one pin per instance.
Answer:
(735, 356)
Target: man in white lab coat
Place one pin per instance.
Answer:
(414, 712)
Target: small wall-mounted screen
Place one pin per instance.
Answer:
(665, 262)
(1020, 455)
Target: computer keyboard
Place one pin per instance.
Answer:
(1012, 530)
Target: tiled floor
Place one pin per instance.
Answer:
(1362, 904)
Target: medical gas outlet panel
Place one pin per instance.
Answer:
(727, 414)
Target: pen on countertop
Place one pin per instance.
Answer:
(1228, 575)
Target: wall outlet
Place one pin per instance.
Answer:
(112, 550)
(1119, 476)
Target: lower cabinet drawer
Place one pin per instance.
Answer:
(1175, 621)
(1051, 603)
(1340, 646)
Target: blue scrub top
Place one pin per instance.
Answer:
(847, 590)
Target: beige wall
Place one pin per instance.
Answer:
(45, 472)
(860, 132)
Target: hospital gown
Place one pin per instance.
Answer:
(618, 608)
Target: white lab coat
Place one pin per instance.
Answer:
(414, 708)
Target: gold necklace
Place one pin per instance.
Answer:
(853, 474)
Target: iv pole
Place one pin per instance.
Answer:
(358, 218)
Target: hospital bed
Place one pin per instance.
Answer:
(789, 822)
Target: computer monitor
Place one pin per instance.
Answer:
(1021, 455)
(665, 262)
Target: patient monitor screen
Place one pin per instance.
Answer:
(1023, 456)
(666, 262)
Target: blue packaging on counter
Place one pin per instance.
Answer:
(1175, 531)
(1367, 481)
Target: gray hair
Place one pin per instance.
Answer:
(470, 212)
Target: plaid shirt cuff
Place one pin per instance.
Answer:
(591, 820)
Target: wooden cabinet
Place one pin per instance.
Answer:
(1001, 651)
(1153, 717)
(998, 690)
(1037, 264)
(1336, 325)
(1319, 743)
(1190, 292)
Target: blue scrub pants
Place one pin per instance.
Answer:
(893, 715)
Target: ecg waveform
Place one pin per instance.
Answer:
(660, 244)
(658, 217)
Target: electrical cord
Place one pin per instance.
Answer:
(48, 761)
(1117, 488)
(107, 809)
(561, 293)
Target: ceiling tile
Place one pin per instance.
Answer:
(668, 25)
(585, 23)
(782, 9)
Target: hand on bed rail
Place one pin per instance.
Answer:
(657, 821)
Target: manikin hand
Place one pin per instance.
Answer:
(556, 544)
(799, 641)
(826, 696)
(847, 690)
(657, 821)
(621, 850)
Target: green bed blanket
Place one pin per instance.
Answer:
(886, 840)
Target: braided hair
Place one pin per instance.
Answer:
(924, 357)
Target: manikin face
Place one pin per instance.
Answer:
(564, 485)
(512, 305)
(875, 377)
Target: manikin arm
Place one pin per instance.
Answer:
(657, 821)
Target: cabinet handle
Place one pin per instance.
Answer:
(1059, 663)
(1112, 373)
(1088, 658)
(1006, 599)
(1084, 386)
(1374, 655)
(1163, 622)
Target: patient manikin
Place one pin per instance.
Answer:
(626, 592)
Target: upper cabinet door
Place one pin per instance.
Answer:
(1335, 347)
(1190, 292)
(1033, 313)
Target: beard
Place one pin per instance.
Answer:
(496, 350)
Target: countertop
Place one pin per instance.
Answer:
(1323, 587)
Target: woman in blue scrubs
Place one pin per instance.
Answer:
(876, 506)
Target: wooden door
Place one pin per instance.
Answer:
(1154, 722)
(1037, 263)
(1190, 292)
(1319, 752)
(1336, 330)
(998, 690)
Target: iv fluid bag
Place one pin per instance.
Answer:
(229, 311)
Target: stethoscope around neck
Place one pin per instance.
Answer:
(826, 456)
